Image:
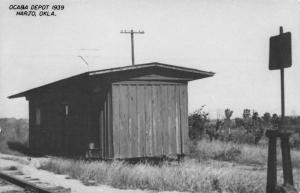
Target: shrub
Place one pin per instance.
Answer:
(197, 122)
(217, 150)
(239, 153)
(13, 131)
(238, 122)
(242, 136)
(228, 151)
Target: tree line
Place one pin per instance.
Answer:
(250, 128)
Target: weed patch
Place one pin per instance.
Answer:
(213, 167)
(189, 175)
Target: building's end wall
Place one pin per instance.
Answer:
(150, 119)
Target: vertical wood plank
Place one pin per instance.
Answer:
(172, 101)
(154, 120)
(164, 117)
(105, 129)
(141, 120)
(184, 119)
(129, 123)
(110, 126)
(31, 123)
(124, 145)
(169, 114)
(177, 119)
(148, 120)
(182, 116)
(101, 133)
(159, 128)
(133, 120)
(136, 133)
(115, 123)
(115, 119)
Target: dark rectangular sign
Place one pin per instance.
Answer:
(280, 51)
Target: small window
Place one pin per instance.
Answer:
(37, 116)
(67, 109)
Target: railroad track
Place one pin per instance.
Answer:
(30, 185)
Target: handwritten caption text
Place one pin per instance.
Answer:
(36, 10)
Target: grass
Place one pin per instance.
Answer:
(239, 153)
(212, 167)
(209, 176)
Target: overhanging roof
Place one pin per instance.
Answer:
(152, 65)
(148, 68)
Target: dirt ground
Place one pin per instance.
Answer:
(29, 167)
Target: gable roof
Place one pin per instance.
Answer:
(130, 71)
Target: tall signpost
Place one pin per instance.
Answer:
(280, 58)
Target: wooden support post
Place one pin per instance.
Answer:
(272, 162)
(286, 159)
(284, 136)
(282, 89)
(282, 97)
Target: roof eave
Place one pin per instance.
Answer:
(196, 74)
(149, 65)
(17, 96)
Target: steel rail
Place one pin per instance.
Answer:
(26, 185)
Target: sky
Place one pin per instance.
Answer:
(228, 37)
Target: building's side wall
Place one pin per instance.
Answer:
(62, 130)
(149, 118)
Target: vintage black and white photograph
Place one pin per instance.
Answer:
(143, 96)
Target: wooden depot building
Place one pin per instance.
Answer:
(127, 112)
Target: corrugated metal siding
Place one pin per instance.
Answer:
(149, 119)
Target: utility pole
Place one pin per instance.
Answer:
(131, 32)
